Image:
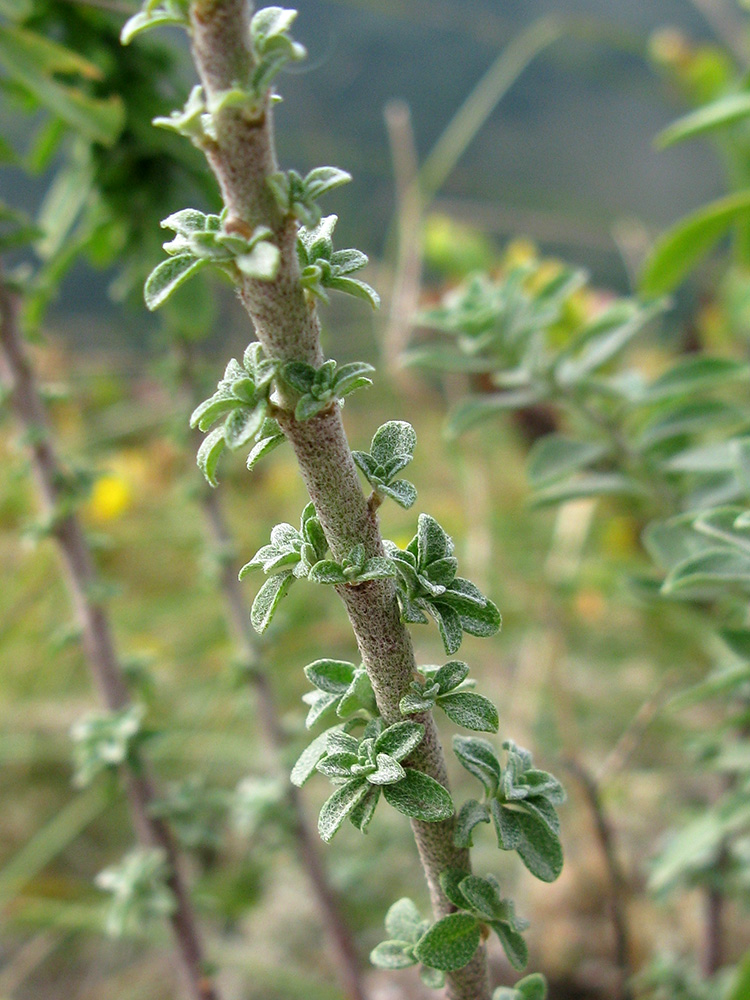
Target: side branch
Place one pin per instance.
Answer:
(98, 642)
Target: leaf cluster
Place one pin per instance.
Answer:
(290, 555)
(391, 450)
(363, 768)
(205, 239)
(428, 585)
(324, 268)
(320, 387)
(519, 799)
(447, 688)
(298, 196)
(342, 689)
(241, 402)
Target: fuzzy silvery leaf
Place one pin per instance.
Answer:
(419, 796)
(153, 14)
(400, 739)
(450, 880)
(388, 773)
(307, 762)
(333, 676)
(471, 814)
(450, 675)
(479, 758)
(393, 955)
(328, 571)
(363, 812)
(433, 979)
(483, 897)
(472, 711)
(450, 943)
(262, 261)
(323, 268)
(167, 277)
(403, 921)
(268, 599)
(514, 946)
(336, 809)
(269, 438)
(536, 845)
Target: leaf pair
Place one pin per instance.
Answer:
(483, 900)
(241, 402)
(519, 799)
(272, 46)
(363, 768)
(205, 239)
(427, 585)
(290, 555)
(298, 196)
(342, 689)
(324, 268)
(446, 687)
(405, 929)
(355, 568)
(320, 387)
(391, 450)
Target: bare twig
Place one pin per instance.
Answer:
(618, 890)
(98, 642)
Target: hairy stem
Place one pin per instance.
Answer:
(98, 642)
(242, 157)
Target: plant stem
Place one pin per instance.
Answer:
(242, 157)
(96, 629)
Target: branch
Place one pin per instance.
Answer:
(98, 643)
(242, 156)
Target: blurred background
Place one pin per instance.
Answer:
(557, 159)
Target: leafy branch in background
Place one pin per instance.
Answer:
(382, 587)
(673, 445)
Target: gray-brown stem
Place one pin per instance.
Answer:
(242, 158)
(98, 641)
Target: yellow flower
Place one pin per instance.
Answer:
(110, 497)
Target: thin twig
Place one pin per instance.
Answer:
(96, 628)
(618, 889)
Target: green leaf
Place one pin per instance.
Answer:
(393, 955)
(167, 277)
(687, 418)
(450, 943)
(339, 806)
(329, 572)
(470, 815)
(307, 761)
(538, 848)
(402, 921)
(472, 711)
(727, 110)
(556, 456)
(433, 979)
(388, 773)
(34, 61)
(363, 812)
(393, 439)
(680, 249)
(479, 758)
(603, 339)
(333, 676)
(513, 944)
(400, 739)
(420, 797)
(208, 454)
(450, 675)
(268, 599)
